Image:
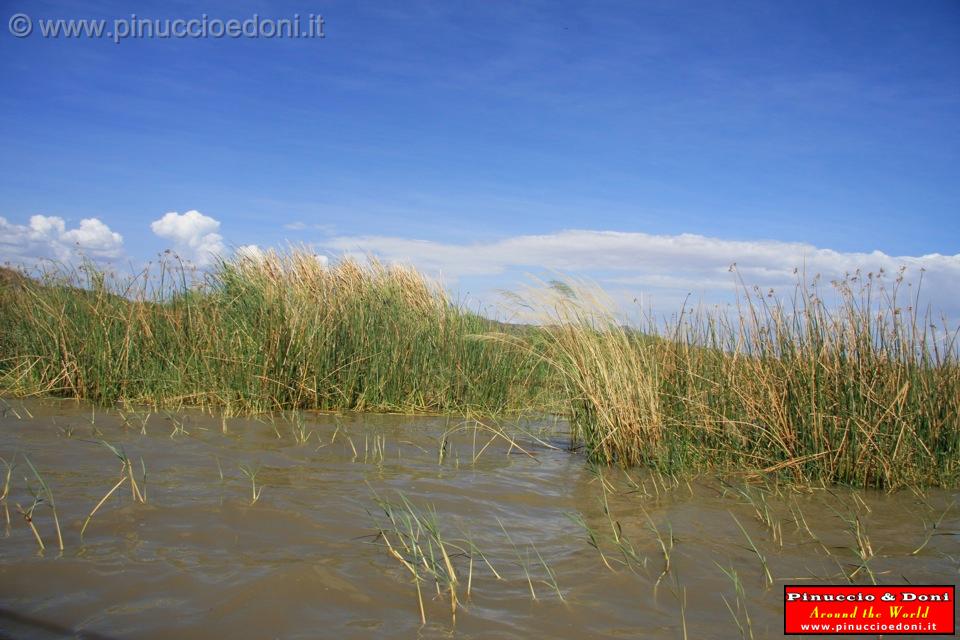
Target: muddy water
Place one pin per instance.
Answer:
(198, 560)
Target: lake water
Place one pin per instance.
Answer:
(201, 559)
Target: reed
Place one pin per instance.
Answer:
(680, 593)
(251, 473)
(861, 390)
(413, 537)
(593, 538)
(126, 475)
(522, 562)
(761, 508)
(6, 492)
(280, 333)
(627, 550)
(47, 495)
(28, 518)
(666, 543)
(861, 548)
(848, 383)
(741, 617)
(753, 547)
(551, 576)
(301, 434)
(934, 529)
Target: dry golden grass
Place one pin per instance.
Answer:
(864, 390)
(279, 332)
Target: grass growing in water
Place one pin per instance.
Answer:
(864, 391)
(281, 333)
(413, 537)
(126, 474)
(46, 495)
(251, 473)
(6, 492)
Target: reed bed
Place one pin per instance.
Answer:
(278, 333)
(862, 390)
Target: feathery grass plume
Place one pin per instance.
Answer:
(278, 332)
(608, 372)
(864, 390)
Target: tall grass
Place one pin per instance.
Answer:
(863, 390)
(281, 332)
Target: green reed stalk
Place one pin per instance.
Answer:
(850, 383)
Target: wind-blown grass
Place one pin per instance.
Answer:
(282, 332)
(863, 391)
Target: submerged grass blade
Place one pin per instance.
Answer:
(756, 551)
(48, 494)
(100, 504)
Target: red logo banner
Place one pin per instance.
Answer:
(887, 610)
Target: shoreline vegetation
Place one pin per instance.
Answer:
(862, 391)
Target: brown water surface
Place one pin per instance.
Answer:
(198, 560)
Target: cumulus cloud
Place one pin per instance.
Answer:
(48, 238)
(194, 235)
(670, 264)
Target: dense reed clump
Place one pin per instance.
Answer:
(278, 331)
(861, 391)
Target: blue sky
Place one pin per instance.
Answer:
(484, 140)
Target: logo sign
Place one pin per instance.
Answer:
(853, 610)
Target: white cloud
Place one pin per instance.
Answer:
(94, 236)
(250, 252)
(326, 229)
(193, 234)
(48, 238)
(669, 264)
